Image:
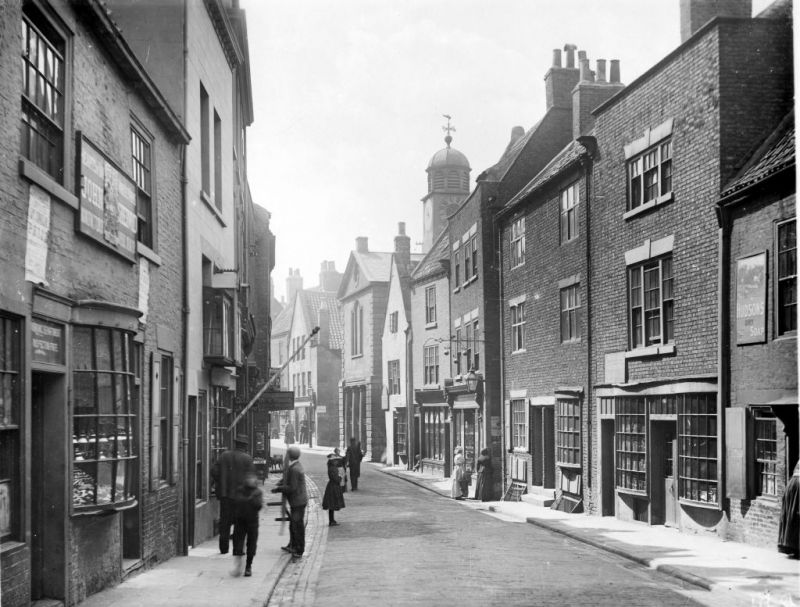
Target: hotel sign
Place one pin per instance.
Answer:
(107, 202)
(47, 342)
(751, 299)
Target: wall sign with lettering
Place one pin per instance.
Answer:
(751, 299)
(47, 342)
(108, 201)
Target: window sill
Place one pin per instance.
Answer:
(520, 351)
(788, 336)
(650, 351)
(651, 204)
(104, 509)
(10, 546)
(431, 325)
(36, 175)
(574, 340)
(693, 504)
(568, 465)
(148, 253)
(357, 355)
(519, 265)
(213, 208)
(633, 492)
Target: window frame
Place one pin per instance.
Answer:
(767, 478)
(517, 315)
(784, 279)
(430, 305)
(518, 242)
(518, 412)
(393, 376)
(142, 173)
(457, 271)
(630, 445)
(659, 167)
(640, 324)
(569, 201)
(474, 245)
(431, 365)
(357, 329)
(571, 317)
(12, 385)
(205, 143)
(687, 457)
(457, 357)
(394, 321)
(218, 304)
(467, 250)
(568, 432)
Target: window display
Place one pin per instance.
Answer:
(103, 400)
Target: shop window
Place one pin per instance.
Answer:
(630, 426)
(650, 176)
(401, 432)
(518, 327)
(430, 305)
(141, 171)
(518, 242)
(570, 313)
(104, 418)
(697, 448)
(200, 440)
(393, 373)
(787, 277)
(10, 442)
(568, 432)
(221, 418)
(43, 92)
(569, 213)
(519, 424)
(431, 365)
(651, 304)
(766, 451)
(434, 447)
(218, 336)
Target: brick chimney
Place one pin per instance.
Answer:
(294, 283)
(329, 278)
(592, 89)
(559, 81)
(402, 248)
(696, 13)
(361, 244)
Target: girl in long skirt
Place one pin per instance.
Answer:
(333, 499)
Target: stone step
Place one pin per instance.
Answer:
(535, 499)
(545, 491)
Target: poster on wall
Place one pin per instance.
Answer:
(38, 231)
(751, 299)
(107, 202)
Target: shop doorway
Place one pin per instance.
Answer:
(607, 466)
(49, 468)
(543, 446)
(664, 490)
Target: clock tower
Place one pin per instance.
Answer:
(448, 185)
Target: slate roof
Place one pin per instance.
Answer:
(374, 267)
(780, 9)
(283, 321)
(570, 154)
(776, 153)
(312, 300)
(429, 265)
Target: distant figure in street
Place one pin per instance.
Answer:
(333, 499)
(288, 433)
(789, 529)
(484, 486)
(293, 486)
(228, 474)
(248, 501)
(303, 431)
(353, 456)
(456, 490)
(341, 469)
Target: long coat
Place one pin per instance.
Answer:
(353, 456)
(484, 485)
(789, 529)
(293, 485)
(229, 471)
(333, 498)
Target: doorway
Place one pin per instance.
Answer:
(664, 494)
(607, 466)
(49, 468)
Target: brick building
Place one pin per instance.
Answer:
(667, 144)
(544, 257)
(758, 336)
(92, 266)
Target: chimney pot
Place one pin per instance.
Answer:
(556, 57)
(570, 48)
(401, 228)
(614, 71)
(581, 56)
(586, 73)
(601, 70)
(362, 244)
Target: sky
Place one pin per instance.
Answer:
(349, 98)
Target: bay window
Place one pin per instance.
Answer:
(218, 325)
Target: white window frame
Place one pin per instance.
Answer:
(518, 326)
(518, 242)
(430, 305)
(569, 201)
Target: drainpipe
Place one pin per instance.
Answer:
(187, 499)
(409, 402)
(723, 247)
(498, 251)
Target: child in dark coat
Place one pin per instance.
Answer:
(248, 501)
(333, 499)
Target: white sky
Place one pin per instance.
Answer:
(349, 97)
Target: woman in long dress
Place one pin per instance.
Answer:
(789, 529)
(458, 474)
(333, 499)
(484, 484)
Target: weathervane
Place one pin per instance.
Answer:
(447, 129)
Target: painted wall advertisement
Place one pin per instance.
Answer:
(751, 299)
(38, 231)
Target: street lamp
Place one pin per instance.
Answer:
(472, 380)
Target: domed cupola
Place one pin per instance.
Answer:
(448, 169)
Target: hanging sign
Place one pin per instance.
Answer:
(107, 202)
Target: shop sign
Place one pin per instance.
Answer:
(751, 299)
(107, 202)
(277, 401)
(322, 409)
(47, 342)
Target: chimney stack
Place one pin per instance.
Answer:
(559, 81)
(361, 244)
(696, 13)
(586, 73)
(329, 278)
(614, 72)
(590, 93)
(402, 248)
(294, 283)
(601, 71)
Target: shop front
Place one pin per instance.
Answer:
(434, 432)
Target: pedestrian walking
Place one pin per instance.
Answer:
(333, 499)
(789, 528)
(228, 474)
(248, 501)
(484, 485)
(293, 487)
(303, 431)
(288, 433)
(456, 486)
(353, 456)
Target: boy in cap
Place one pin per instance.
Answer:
(293, 486)
(228, 474)
(248, 501)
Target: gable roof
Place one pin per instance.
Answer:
(374, 267)
(431, 263)
(311, 301)
(283, 322)
(773, 155)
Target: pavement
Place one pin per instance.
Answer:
(735, 573)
